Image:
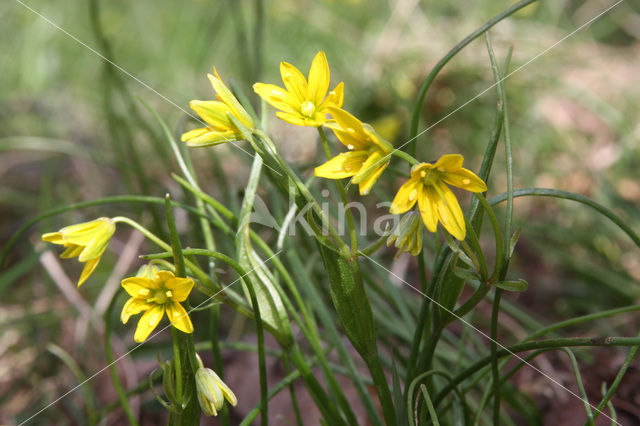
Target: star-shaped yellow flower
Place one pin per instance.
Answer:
(220, 127)
(303, 103)
(163, 292)
(428, 186)
(368, 155)
(87, 241)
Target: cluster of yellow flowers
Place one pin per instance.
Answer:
(305, 102)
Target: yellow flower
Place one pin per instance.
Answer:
(220, 127)
(212, 391)
(302, 103)
(368, 155)
(87, 241)
(436, 201)
(407, 235)
(163, 292)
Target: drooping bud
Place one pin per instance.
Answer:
(407, 235)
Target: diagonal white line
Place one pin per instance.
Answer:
(127, 73)
(140, 344)
(432, 300)
(386, 157)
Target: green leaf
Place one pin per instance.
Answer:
(517, 285)
(350, 300)
(514, 240)
(272, 309)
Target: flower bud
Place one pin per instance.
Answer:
(407, 235)
(212, 391)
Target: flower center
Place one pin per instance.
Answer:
(307, 108)
(429, 176)
(160, 296)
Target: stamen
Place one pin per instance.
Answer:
(168, 294)
(413, 195)
(466, 181)
(350, 146)
(423, 174)
(307, 108)
(143, 292)
(351, 130)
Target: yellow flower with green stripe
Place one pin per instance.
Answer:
(436, 201)
(154, 294)
(220, 128)
(87, 241)
(368, 154)
(303, 103)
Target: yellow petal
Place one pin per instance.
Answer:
(348, 122)
(377, 139)
(277, 97)
(428, 205)
(180, 288)
(228, 394)
(72, 250)
(318, 78)
(148, 322)
(53, 237)
(227, 97)
(465, 179)
(97, 245)
(194, 133)
(133, 307)
(179, 317)
(83, 233)
(449, 163)
(139, 286)
(335, 97)
(209, 138)
(297, 119)
(294, 81)
(88, 269)
(450, 213)
(342, 166)
(213, 112)
(367, 183)
(209, 392)
(349, 140)
(374, 161)
(406, 197)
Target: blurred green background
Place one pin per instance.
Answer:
(72, 129)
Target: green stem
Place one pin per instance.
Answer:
(415, 117)
(583, 393)
(405, 156)
(494, 359)
(556, 193)
(423, 317)
(540, 344)
(214, 338)
(177, 362)
(343, 196)
(382, 388)
(84, 204)
(616, 382)
(497, 234)
(264, 415)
